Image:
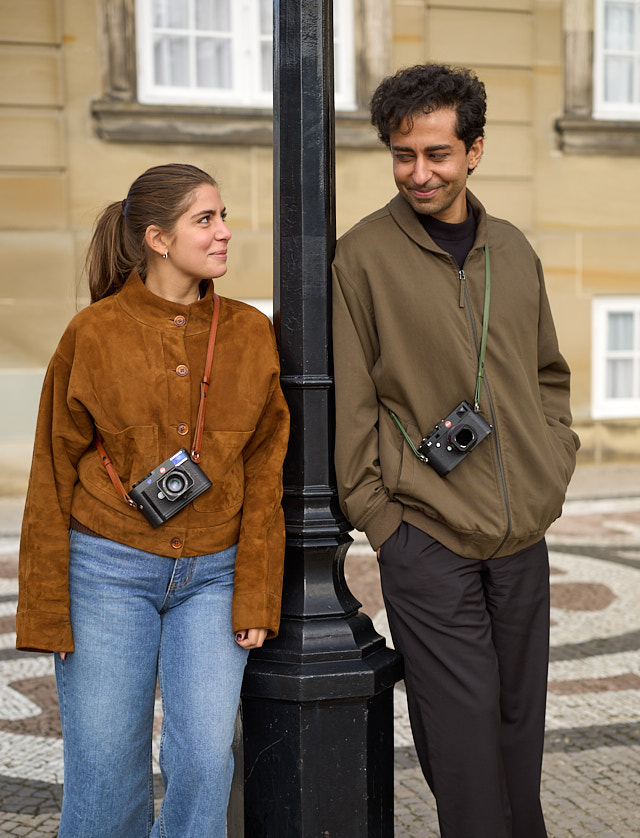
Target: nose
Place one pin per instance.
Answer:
(223, 232)
(422, 170)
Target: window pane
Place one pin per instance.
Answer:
(266, 17)
(620, 330)
(171, 14)
(620, 379)
(618, 79)
(213, 63)
(618, 26)
(171, 61)
(213, 15)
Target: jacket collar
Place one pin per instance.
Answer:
(405, 217)
(139, 303)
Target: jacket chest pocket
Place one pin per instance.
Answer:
(221, 459)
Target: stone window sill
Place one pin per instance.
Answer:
(119, 121)
(584, 135)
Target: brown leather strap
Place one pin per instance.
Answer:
(112, 473)
(204, 384)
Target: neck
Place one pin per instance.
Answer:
(164, 284)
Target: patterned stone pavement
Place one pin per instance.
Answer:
(591, 775)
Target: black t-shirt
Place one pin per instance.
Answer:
(456, 239)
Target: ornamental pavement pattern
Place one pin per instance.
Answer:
(591, 772)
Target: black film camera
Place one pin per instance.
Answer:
(453, 438)
(169, 488)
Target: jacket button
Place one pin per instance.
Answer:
(182, 369)
(180, 320)
(176, 543)
(182, 429)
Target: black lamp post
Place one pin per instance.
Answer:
(318, 701)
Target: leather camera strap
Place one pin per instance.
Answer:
(197, 440)
(204, 384)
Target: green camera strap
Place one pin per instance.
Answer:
(483, 350)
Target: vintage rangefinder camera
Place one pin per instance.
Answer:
(454, 438)
(169, 488)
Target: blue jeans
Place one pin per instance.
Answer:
(138, 617)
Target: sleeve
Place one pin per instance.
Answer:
(361, 490)
(260, 553)
(554, 379)
(63, 434)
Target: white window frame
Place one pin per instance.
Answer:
(602, 406)
(246, 91)
(603, 109)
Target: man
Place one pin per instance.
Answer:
(463, 562)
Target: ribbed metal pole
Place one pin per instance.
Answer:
(317, 701)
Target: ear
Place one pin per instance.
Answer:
(156, 240)
(475, 153)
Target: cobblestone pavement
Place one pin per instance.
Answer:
(591, 772)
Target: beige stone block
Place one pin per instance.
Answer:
(29, 201)
(364, 183)
(548, 34)
(31, 139)
(610, 262)
(509, 199)
(15, 459)
(473, 38)
(482, 5)
(20, 389)
(408, 39)
(30, 76)
(560, 256)
(36, 267)
(588, 193)
(30, 331)
(509, 94)
(29, 21)
(508, 152)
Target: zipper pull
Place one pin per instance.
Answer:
(463, 281)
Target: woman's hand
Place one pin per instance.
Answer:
(63, 655)
(251, 638)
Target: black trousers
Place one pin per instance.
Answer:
(475, 640)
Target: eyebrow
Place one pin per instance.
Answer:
(440, 147)
(223, 211)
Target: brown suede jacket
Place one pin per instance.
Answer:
(130, 366)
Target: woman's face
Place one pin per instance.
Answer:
(198, 246)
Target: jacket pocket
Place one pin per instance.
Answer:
(221, 459)
(397, 461)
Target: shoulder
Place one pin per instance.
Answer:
(505, 232)
(236, 314)
(87, 323)
(366, 229)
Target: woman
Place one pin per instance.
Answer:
(124, 600)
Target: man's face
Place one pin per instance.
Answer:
(430, 165)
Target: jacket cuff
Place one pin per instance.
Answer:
(43, 631)
(383, 523)
(256, 610)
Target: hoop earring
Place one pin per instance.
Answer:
(165, 255)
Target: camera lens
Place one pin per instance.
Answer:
(175, 484)
(464, 438)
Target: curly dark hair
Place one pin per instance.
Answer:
(425, 88)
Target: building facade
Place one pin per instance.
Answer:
(92, 92)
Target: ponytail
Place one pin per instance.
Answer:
(159, 196)
(108, 263)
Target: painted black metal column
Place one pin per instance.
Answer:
(318, 700)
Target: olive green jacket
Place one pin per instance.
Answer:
(130, 366)
(407, 327)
